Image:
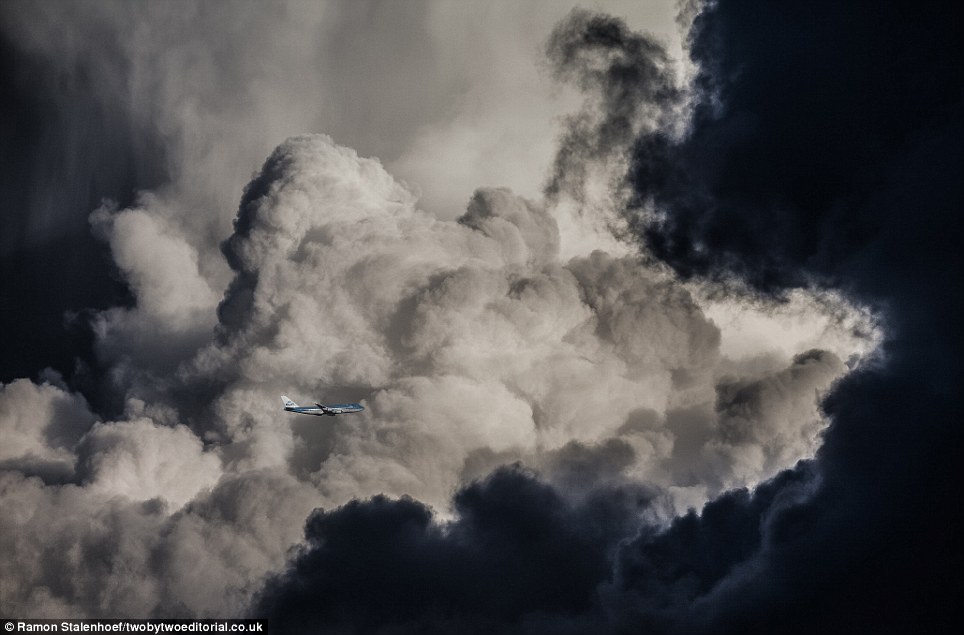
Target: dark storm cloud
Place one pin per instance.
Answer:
(826, 146)
(57, 164)
(629, 81)
(663, 578)
(518, 557)
(814, 130)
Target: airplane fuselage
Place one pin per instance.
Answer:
(320, 410)
(331, 411)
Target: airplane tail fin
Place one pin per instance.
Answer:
(288, 403)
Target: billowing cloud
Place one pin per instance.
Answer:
(461, 335)
(41, 426)
(138, 460)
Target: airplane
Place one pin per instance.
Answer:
(320, 409)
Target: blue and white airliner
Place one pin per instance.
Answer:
(320, 409)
